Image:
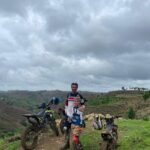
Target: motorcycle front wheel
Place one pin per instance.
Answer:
(29, 138)
(104, 145)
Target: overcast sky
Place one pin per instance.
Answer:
(101, 44)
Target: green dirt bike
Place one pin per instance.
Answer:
(38, 125)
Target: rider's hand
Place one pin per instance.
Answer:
(82, 108)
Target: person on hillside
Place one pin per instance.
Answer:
(71, 97)
(69, 105)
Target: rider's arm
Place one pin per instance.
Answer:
(82, 107)
(83, 100)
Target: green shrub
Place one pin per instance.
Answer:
(146, 95)
(145, 118)
(131, 113)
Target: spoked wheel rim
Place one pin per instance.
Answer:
(31, 137)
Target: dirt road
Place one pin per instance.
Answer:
(49, 142)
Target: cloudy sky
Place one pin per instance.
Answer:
(101, 44)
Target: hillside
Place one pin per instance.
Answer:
(10, 118)
(119, 102)
(30, 99)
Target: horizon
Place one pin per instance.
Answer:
(50, 90)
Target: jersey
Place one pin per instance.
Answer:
(77, 117)
(71, 97)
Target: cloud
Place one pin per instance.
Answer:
(49, 44)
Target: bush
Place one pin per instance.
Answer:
(145, 118)
(146, 95)
(131, 113)
(103, 100)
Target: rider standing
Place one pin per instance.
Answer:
(69, 107)
(71, 97)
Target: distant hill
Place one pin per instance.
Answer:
(30, 99)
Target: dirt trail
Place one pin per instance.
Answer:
(50, 142)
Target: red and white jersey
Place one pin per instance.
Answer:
(70, 103)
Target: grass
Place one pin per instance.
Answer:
(133, 135)
(105, 100)
(10, 146)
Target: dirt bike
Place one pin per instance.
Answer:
(38, 125)
(109, 138)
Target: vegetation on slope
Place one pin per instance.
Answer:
(103, 100)
(146, 95)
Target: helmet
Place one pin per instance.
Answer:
(54, 101)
